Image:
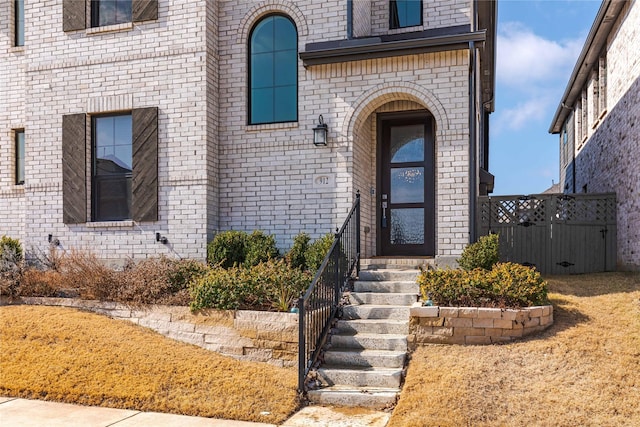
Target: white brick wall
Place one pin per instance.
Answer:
(160, 64)
(215, 171)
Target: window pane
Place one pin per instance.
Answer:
(286, 63)
(285, 36)
(262, 70)
(407, 143)
(123, 11)
(112, 167)
(20, 157)
(110, 12)
(112, 198)
(262, 106)
(19, 23)
(286, 104)
(405, 13)
(262, 36)
(407, 185)
(407, 226)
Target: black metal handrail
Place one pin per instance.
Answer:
(319, 304)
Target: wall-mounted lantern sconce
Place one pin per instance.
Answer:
(161, 239)
(320, 132)
(53, 241)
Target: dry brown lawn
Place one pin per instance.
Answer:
(61, 354)
(583, 371)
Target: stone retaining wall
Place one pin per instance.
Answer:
(471, 325)
(257, 336)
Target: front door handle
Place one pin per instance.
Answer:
(384, 211)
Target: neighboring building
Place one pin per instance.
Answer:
(598, 121)
(120, 120)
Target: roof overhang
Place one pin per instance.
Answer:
(591, 51)
(336, 51)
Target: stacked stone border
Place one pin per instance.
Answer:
(475, 326)
(256, 336)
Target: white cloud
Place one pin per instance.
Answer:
(525, 58)
(524, 113)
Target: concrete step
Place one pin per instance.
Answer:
(397, 263)
(365, 397)
(382, 298)
(370, 342)
(391, 275)
(365, 358)
(407, 287)
(373, 326)
(359, 376)
(391, 312)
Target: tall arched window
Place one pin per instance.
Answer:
(273, 71)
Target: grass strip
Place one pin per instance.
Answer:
(62, 354)
(584, 370)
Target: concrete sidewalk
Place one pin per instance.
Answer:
(16, 412)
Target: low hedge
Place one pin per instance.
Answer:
(273, 284)
(505, 285)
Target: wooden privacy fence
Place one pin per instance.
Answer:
(556, 233)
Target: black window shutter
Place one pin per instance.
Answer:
(73, 15)
(144, 187)
(144, 10)
(74, 166)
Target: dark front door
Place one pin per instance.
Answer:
(406, 196)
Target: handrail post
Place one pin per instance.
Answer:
(337, 284)
(358, 232)
(302, 348)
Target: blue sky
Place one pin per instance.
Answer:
(538, 44)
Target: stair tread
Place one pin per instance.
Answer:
(386, 281)
(366, 352)
(384, 293)
(363, 369)
(381, 321)
(342, 388)
(370, 335)
(380, 305)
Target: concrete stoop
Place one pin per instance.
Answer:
(364, 363)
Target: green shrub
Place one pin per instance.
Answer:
(506, 285)
(10, 250)
(520, 286)
(281, 282)
(268, 285)
(184, 271)
(235, 248)
(259, 248)
(317, 251)
(216, 289)
(481, 254)
(296, 255)
(227, 249)
(11, 266)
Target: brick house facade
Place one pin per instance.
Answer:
(197, 161)
(597, 121)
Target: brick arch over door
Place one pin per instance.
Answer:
(376, 97)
